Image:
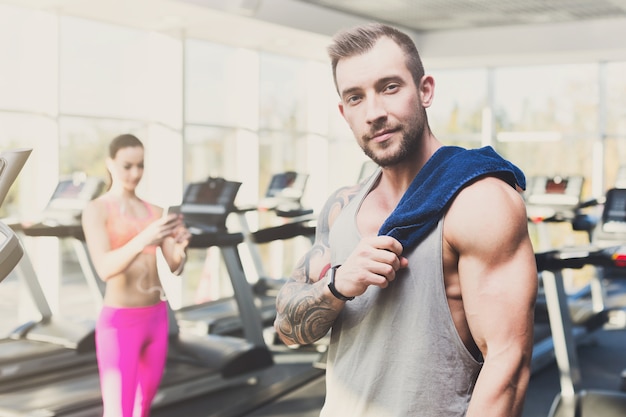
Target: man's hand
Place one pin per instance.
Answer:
(374, 261)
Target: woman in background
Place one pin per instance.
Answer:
(122, 233)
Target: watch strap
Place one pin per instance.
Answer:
(331, 285)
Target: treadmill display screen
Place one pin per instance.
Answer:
(68, 189)
(554, 186)
(557, 191)
(289, 185)
(207, 204)
(615, 211)
(212, 192)
(70, 197)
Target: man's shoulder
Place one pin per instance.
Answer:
(488, 198)
(487, 214)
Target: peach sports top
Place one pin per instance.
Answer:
(121, 227)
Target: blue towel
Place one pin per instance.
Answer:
(444, 174)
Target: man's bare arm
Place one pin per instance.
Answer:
(305, 309)
(498, 281)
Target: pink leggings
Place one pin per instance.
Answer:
(131, 347)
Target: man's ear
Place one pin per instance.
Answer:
(427, 90)
(340, 106)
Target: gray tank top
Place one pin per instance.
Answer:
(395, 352)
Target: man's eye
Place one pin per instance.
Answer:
(391, 88)
(353, 99)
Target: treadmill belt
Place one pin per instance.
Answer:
(222, 316)
(22, 359)
(83, 391)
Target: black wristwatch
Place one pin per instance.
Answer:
(331, 285)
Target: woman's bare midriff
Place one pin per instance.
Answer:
(138, 286)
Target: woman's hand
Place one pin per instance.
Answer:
(175, 246)
(181, 234)
(157, 231)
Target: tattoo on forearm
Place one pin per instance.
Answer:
(303, 315)
(303, 318)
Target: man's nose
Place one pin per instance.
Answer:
(375, 109)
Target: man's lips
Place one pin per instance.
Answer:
(382, 135)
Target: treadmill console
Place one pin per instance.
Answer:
(553, 197)
(620, 182)
(11, 251)
(612, 227)
(285, 189)
(70, 197)
(206, 205)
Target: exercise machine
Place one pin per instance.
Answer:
(11, 251)
(572, 401)
(552, 201)
(283, 198)
(206, 207)
(284, 194)
(51, 342)
(195, 365)
(612, 225)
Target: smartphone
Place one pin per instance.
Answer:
(171, 210)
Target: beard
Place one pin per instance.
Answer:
(412, 133)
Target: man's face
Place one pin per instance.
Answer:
(381, 103)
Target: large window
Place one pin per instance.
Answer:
(205, 152)
(546, 118)
(615, 131)
(553, 99)
(29, 64)
(84, 142)
(220, 85)
(457, 114)
(113, 71)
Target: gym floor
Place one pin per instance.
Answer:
(602, 357)
(295, 388)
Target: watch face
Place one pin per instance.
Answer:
(332, 271)
(331, 285)
(327, 276)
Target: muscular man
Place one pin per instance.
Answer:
(424, 274)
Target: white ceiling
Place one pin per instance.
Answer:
(438, 15)
(448, 32)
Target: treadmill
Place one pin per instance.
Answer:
(572, 400)
(206, 206)
(196, 365)
(50, 342)
(552, 200)
(557, 199)
(11, 251)
(205, 215)
(612, 227)
(283, 198)
(284, 194)
(610, 231)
